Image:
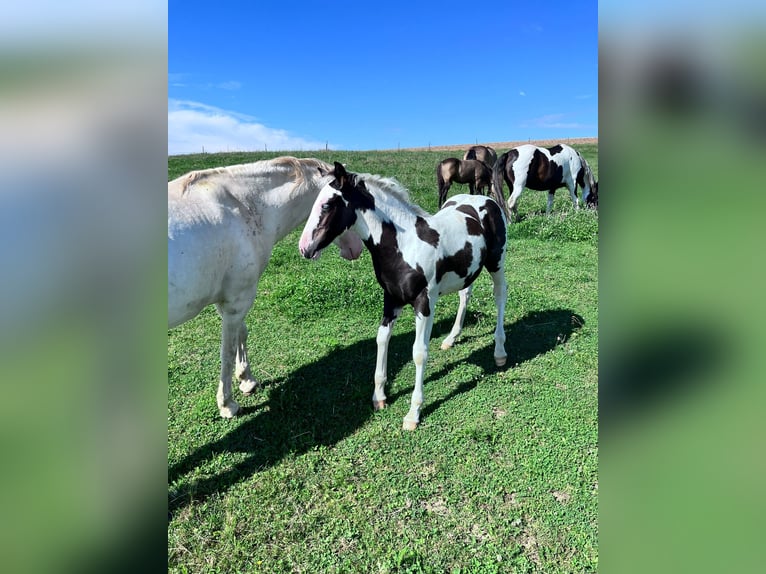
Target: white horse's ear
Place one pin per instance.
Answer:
(323, 172)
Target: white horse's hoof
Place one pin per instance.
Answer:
(447, 345)
(230, 410)
(247, 387)
(409, 425)
(379, 405)
(500, 361)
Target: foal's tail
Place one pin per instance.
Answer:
(440, 183)
(497, 182)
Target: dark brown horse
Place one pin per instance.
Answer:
(477, 174)
(483, 153)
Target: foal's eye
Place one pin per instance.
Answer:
(325, 207)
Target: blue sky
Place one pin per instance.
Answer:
(299, 75)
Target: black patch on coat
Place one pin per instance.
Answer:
(555, 149)
(510, 158)
(544, 174)
(580, 178)
(450, 203)
(426, 232)
(472, 222)
(459, 263)
(494, 236)
(352, 189)
(402, 284)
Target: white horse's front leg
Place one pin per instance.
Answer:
(500, 291)
(381, 362)
(247, 384)
(227, 406)
(420, 357)
(457, 328)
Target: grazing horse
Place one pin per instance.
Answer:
(222, 226)
(475, 173)
(483, 153)
(543, 169)
(417, 257)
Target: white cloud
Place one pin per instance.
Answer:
(193, 126)
(554, 121)
(522, 93)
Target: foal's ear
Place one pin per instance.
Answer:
(340, 174)
(340, 171)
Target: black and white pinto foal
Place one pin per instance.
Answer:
(417, 258)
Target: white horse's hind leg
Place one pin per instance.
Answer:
(247, 384)
(423, 327)
(457, 328)
(500, 291)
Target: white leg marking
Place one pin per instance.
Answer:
(457, 328)
(423, 327)
(500, 290)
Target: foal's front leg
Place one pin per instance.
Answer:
(390, 313)
(423, 325)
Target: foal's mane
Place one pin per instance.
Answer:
(387, 189)
(302, 170)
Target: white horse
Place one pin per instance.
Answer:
(417, 257)
(222, 226)
(543, 169)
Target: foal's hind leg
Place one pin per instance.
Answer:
(465, 296)
(247, 384)
(500, 291)
(423, 327)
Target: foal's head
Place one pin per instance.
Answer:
(334, 210)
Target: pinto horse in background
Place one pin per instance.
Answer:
(483, 153)
(417, 257)
(222, 225)
(543, 169)
(477, 174)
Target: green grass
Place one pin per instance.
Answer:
(500, 476)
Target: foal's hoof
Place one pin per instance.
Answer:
(409, 425)
(446, 345)
(379, 405)
(500, 361)
(230, 410)
(248, 387)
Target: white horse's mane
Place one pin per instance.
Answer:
(300, 170)
(387, 189)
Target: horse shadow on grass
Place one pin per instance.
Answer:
(321, 403)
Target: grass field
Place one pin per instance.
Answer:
(500, 476)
